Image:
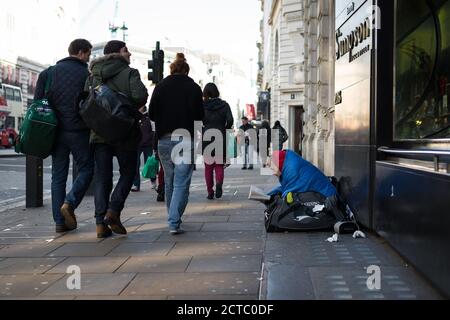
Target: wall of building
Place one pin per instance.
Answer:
(319, 141)
(297, 55)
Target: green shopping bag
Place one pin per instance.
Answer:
(231, 146)
(151, 168)
(38, 132)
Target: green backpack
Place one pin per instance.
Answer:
(151, 168)
(38, 132)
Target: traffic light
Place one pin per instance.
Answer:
(156, 65)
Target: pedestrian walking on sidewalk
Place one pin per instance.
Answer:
(161, 189)
(282, 136)
(176, 104)
(145, 148)
(247, 143)
(114, 70)
(218, 116)
(68, 78)
(265, 134)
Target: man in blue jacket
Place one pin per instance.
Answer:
(68, 79)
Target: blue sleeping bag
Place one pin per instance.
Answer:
(300, 176)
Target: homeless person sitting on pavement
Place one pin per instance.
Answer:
(306, 199)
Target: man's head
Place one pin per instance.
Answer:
(277, 163)
(120, 47)
(81, 49)
(245, 121)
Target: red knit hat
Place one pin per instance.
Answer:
(278, 158)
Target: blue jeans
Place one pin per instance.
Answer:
(178, 178)
(104, 200)
(77, 144)
(148, 152)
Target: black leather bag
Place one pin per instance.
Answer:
(109, 114)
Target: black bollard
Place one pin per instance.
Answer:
(34, 182)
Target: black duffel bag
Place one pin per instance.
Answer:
(301, 215)
(109, 113)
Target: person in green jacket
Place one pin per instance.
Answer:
(113, 69)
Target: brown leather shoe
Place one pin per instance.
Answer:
(70, 220)
(112, 220)
(103, 231)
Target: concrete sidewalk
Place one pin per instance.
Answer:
(225, 254)
(9, 153)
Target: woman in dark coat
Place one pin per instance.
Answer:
(218, 116)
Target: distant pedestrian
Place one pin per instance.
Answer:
(145, 148)
(265, 134)
(247, 143)
(218, 116)
(282, 136)
(176, 104)
(114, 70)
(161, 189)
(68, 78)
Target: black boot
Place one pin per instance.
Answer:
(219, 191)
(161, 197)
(112, 220)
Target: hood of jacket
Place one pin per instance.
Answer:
(215, 104)
(108, 66)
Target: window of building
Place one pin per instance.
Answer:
(422, 104)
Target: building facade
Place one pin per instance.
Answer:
(29, 43)
(393, 125)
(297, 74)
(319, 130)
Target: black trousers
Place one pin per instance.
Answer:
(104, 200)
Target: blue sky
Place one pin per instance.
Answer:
(229, 27)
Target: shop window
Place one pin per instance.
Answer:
(422, 104)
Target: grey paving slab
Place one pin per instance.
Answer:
(141, 249)
(397, 283)
(25, 285)
(203, 219)
(79, 237)
(238, 226)
(237, 236)
(25, 241)
(29, 250)
(16, 266)
(163, 264)
(92, 285)
(139, 221)
(89, 265)
(191, 284)
(28, 234)
(312, 250)
(83, 250)
(287, 282)
(163, 227)
(214, 298)
(216, 248)
(135, 237)
(248, 218)
(121, 298)
(64, 298)
(233, 263)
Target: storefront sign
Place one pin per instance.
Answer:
(346, 44)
